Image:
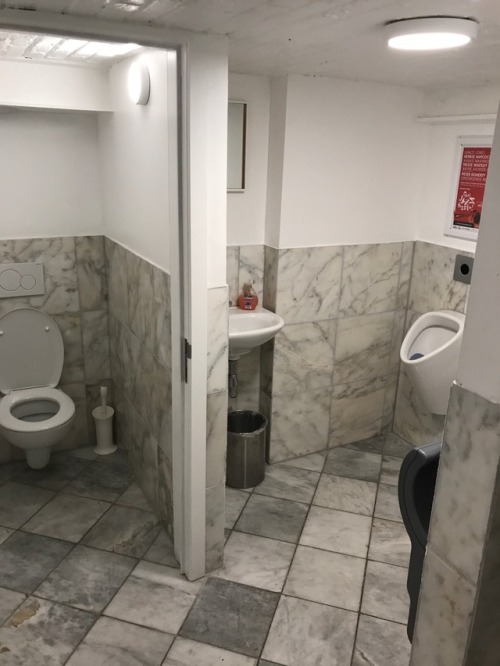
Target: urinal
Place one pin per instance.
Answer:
(430, 353)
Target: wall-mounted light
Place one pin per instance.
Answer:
(427, 33)
(138, 82)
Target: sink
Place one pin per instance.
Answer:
(251, 328)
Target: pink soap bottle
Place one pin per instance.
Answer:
(248, 299)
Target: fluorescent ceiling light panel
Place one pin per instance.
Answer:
(105, 49)
(430, 33)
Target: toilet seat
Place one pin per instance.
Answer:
(64, 414)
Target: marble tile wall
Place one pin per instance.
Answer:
(432, 288)
(217, 405)
(329, 376)
(76, 298)
(457, 619)
(140, 358)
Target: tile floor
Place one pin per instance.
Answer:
(314, 574)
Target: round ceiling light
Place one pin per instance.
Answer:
(138, 82)
(429, 33)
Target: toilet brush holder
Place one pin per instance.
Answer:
(103, 419)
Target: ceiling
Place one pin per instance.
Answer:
(338, 38)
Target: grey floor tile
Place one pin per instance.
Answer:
(18, 503)
(387, 504)
(82, 453)
(313, 462)
(273, 518)
(288, 483)
(353, 464)
(231, 616)
(185, 652)
(10, 470)
(66, 517)
(371, 445)
(161, 551)
(337, 492)
(264, 662)
(256, 561)
(102, 480)
(60, 471)
(26, 559)
(304, 632)
(390, 470)
(327, 578)
(235, 501)
(41, 632)
(396, 446)
(87, 578)
(116, 643)
(154, 596)
(5, 533)
(134, 497)
(385, 595)
(381, 643)
(124, 530)
(389, 543)
(337, 531)
(9, 601)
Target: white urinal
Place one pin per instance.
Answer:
(430, 353)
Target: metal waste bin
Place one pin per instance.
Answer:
(246, 448)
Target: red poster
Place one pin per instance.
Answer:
(471, 183)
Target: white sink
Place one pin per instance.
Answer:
(251, 328)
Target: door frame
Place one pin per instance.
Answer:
(188, 424)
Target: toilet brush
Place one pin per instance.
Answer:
(103, 417)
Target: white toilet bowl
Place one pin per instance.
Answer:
(34, 415)
(430, 354)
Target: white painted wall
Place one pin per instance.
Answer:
(438, 176)
(53, 86)
(49, 174)
(134, 152)
(479, 369)
(246, 211)
(277, 138)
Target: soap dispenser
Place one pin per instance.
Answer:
(247, 300)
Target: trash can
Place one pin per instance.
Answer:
(246, 448)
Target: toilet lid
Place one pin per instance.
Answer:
(31, 350)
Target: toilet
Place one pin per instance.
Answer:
(430, 353)
(34, 414)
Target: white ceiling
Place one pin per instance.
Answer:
(339, 38)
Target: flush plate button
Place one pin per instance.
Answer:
(463, 268)
(21, 280)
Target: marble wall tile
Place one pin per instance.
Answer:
(116, 258)
(141, 306)
(96, 345)
(370, 278)
(162, 317)
(432, 285)
(356, 411)
(60, 276)
(411, 421)
(218, 341)
(271, 257)
(303, 357)
(443, 617)
(78, 435)
(70, 326)
(363, 347)
(299, 424)
(233, 271)
(391, 389)
(249, 378)
(91, 266)
(251, 268)
(405, 275)
(308, 284)
(266, 367)
(216, 438)
(398, 333)
(245, 400)
(165, 506)
(214, 526)
(466, 481)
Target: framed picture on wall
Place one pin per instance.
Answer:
(469, 180)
